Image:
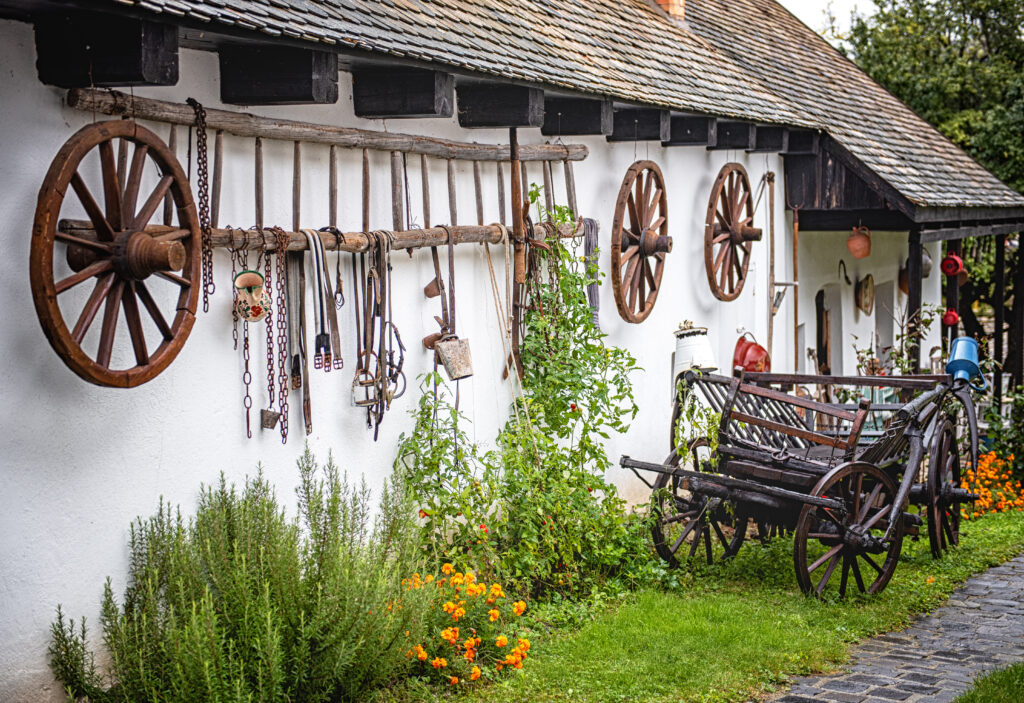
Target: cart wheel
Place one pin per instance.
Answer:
(687, 521)
(824, 540)
(942, 512)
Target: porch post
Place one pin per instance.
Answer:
(1000, 311)
(953, 292)
(914, 298)
(1018, 320)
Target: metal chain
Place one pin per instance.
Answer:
(204, 202)
(246, 378)
(282, 329)
(234, 296)
(270, 323)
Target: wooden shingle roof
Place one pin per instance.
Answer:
(745, 59)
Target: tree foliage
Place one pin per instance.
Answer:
(960, 65)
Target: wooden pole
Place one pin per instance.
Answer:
(332, 185)
(352, 241)
(914, 299)
(218, 177)
(397, 205)
(952, 294)
(517, 204)
(243, 124)
(258, 185)
(1017, 363)
(796, 289)
(297, 186)
(172, 144)
(1000, 323)
(425, 179)
(770, 184)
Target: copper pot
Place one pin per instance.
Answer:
(859, 242)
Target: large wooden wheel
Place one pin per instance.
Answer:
(687, 523)
(728, 232)
(113, 252)
(942, 510)
(639, 246)
(824, 539)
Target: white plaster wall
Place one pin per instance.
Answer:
(819, 257)
(79, 462)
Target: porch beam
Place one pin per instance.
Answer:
(841, 220)
(640, 124)
(277, 75)
(970, 230)
(494, 105)
(576, 116)
(803, 142)
(691, 130)
(769, 139)
(391, 93)
(79, 49)
(734, 135)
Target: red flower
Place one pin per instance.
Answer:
(483, 527)
(256, 309)
(423, 513)
(572, 407)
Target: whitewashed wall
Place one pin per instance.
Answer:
(79, 462)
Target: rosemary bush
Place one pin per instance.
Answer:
(241, 603)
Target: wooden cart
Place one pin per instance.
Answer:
(784, 462)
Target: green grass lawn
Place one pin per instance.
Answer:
(733, 631)
(1003, 686)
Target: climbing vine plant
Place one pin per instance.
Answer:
(535, 508)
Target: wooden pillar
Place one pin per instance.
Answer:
(1017, 363)
(953, 291)
(914, 299)
(1000, 312)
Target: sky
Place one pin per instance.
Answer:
(812, 12)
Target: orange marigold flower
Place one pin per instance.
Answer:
(423, 513)
(475, 674)
(524, 644)
(439, 663)
(447, 569)
(493, 614)
(519, 607)
(501, 641)
(453, 680)
(448, 607)
(422, 655)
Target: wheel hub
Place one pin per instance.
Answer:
(138, 255)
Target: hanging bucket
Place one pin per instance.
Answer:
(454, 355)
(693, 350)
(750, 356)
(963, 362)
(952, 264)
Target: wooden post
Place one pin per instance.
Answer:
(796, 289)
(914, 298)
(1000, 323)
(397, 206)
(332, 186)
(366, 190)
(1017, 363)
(453, 205)
(770, 184)
(952, 293)
(172, 144)
(570, 188)
(425, 178)
(478, 190)
(218, 177)
(297, 186)
(258, 185)
(517, 204)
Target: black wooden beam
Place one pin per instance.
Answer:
(402, 92)
(802, 142)
(641, 124)
(961, 230)
(76, 50)
(575, 116)
(733, 135)
(914, 261)
(1000, 322)
(770, 139)
(1016, 361)
(842, 220)
(277, 75)
(692, 130)
(486, 105)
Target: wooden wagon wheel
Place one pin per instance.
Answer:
(686, 522)
(639, 246)
(824, 539)
(115, 254)
(728, 232)
(941, 509)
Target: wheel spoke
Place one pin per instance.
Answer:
(656, 225)
(707, 544)
(173, 235)
(856, 574)
(686, 532)
(679, 517)
(92, 306)
(844, 575)
(93, 269)
(634, 219)
(737, 266)
(857, 487)
(721, 238)
(732, 274)
(823, 558)
(654, 202)
(135, 331)
(628, 254)
(84, 243)
(109, 324)
(721, 537)
(828, 573)
(131, 188)
(882, 512)
(947, 528)
(152, 203)
(154, 311)
(175, 278)
(867, 503)
(103, 229)
(649, 274)
(111, 185)
(870, 561)
(641, 285)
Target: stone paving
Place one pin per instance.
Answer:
(979, 629)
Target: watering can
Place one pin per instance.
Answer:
(963, 362)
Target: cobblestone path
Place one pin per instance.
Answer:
(935, 659)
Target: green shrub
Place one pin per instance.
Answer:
(242, 603)
(536, 510)
(1007, 433)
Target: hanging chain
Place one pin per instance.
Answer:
(282, 329)
(270, 323)
(246, 378)
(234, 301)
(204, 202)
